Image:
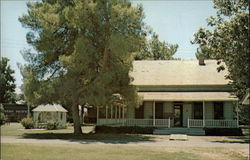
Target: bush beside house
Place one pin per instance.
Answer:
(223, 131)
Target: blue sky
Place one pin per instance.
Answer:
(174, 21)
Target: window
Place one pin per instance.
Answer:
(139, 112)
(218, 110)
(198, 110)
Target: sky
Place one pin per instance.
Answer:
(175, 21)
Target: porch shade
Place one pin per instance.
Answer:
(187, 96)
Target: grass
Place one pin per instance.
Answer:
(111, 152)
(16, 129)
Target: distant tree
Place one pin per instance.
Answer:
(84, 52)
(227, 40)
(2, 116)
(7, 82)
(156, 50)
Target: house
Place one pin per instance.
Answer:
(177, 93)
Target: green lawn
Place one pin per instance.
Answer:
(114, 147)
(112, 152)
(16, 129)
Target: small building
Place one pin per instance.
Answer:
(177, 93)
(50, 113)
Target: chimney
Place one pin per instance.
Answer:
(201, 60)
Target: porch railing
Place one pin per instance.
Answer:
(195, 123)
(192, 123)
(135, 122)
(212, 123)
(221, 123)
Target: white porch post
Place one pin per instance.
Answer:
(203, 105)
(188, 122)
(123, 115)
(97, 115)
(237, 114)
(111, 111)
(119, 112)
(169, 121)
(154, 113)
(106, 112)
(115, 112)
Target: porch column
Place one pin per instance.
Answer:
(106, 112)
(203, 105)
(237, 114)
(97, 115)
(123, 115)
(119, 112)
(115, 112)
(111, 111)
(153, 113)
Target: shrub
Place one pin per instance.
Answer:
(223, 131)
(125, 129)
(27, 123)
(52, 125)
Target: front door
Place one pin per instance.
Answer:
(178, 115)
(158, 110)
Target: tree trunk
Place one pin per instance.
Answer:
(76, 119)
(81, 115)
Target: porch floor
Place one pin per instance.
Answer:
(188, 131)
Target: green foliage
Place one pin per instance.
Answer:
(244, 112)
(27, 123)
(7, 82)
(84, 52)
(125, 129)
(156, 50)
(227, 39)
(51, 125)
(2, 116)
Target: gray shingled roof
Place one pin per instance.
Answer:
(49, 108)
(177, 72)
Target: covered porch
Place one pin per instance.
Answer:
(175, 109)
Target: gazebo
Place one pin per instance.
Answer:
(50, 113)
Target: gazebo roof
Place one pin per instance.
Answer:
(49, 108)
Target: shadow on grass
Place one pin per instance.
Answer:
(92, 138)
(235, 139)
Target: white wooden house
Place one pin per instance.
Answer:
(177, 93)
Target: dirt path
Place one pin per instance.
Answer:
(193, 141)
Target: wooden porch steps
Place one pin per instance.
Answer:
(188, 131)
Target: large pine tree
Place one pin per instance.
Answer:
(83, 52)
